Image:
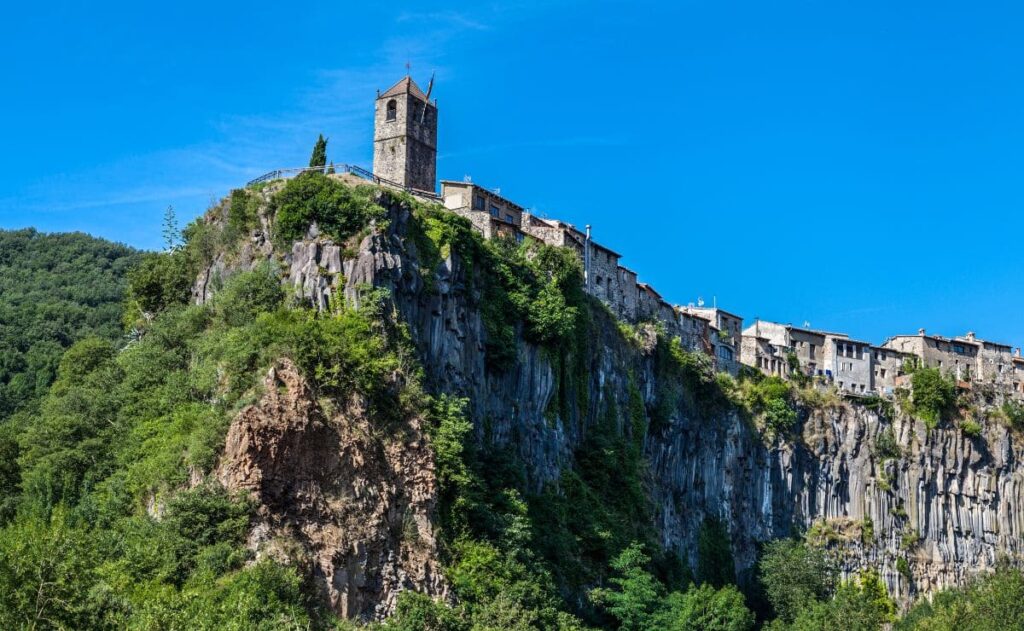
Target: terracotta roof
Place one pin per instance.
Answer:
(405, 86)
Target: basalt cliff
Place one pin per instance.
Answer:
(926, 507)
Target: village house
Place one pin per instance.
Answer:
(1018, 372)
(729, 330)
(994, 361)
(759, 352)
(956, 357)
(491, 214)
(848, 363)
(888, 369)
(805, 345)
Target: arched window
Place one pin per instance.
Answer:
(392, 110)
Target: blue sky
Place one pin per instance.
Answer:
(856, 165)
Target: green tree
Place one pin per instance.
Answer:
(858, 605)
(636, 594)
(47, 571)
(319, 156)
(703, 608)
(247, 295)
(160, 281)
(795, 575)
(932, 395)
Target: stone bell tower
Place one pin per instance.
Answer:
(405, 136)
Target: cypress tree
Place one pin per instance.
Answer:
(319, 157)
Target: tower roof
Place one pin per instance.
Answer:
(405, 86)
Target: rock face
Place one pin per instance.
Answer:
(948, 506)
(359, 505)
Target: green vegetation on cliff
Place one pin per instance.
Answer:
(113, 517)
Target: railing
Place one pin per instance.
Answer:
(359, 171)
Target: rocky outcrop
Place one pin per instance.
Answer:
(352, 503)
(945, 508)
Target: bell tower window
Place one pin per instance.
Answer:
(392, 109)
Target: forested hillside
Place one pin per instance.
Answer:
(55, 289)
(304, 433)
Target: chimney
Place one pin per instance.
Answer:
(970, 335)
(920, 331)
(1016, 352)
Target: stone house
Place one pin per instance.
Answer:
(491, 214)
(955, 357)
(628, 295)
(848, 363)
(695, 332)
(887, 367)
(729, 329)
(995, 360)
(808, 346)
(1018, 373)
(760, 353)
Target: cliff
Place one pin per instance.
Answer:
(928, 513)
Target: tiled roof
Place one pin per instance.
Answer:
(405, 86)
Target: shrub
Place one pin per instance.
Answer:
(971, 429)
(338, 210)
(160, 281)
(886, 447)
(243, 210)
(1014, 413)
(903, 567)
(771, 398)
(932, 396)
(909, 539)
(867, 531)
(248, 294)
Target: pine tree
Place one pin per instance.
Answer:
(330, 169)
(319, 157)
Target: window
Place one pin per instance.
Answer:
(478, 202)
(598, 280)
(510, 218)
(725, 353)
(392, 110)
(519, 237)
(958, 348)
(810, 351)
(495, 211)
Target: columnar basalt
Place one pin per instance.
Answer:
(946, 504)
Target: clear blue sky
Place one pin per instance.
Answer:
(856, 165)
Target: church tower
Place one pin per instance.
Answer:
(405, 136)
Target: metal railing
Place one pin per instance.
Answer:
(282, 174)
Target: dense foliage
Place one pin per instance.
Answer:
(55, 289)
(989, 603)
(933, 395)
(339, 211)
(122, 431)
